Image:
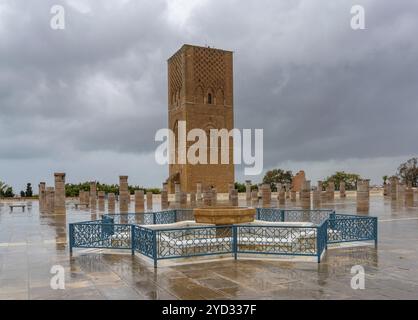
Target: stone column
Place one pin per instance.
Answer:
(124, 195)
(59, 195)
(183, 199)
(199, 192)
(42, 195)
(281, 194)
(292, 195)
(316, 198)
(93, 195)
(164, 199)
(342, 189)
(49, 200)
(320, 186)
(331, 190)
(149, 200)
(214, 197)
(111, 202)
(139, 201)
(248, 190)
(305, 194)
(254, 197)
(231, 187)
(266, 195)
(101, 200)
(401, 192)
(193, 199)
(207, 197)
(409, 196)
(177, 191)
(394, 188)
(287, 186)
(234, 197)
(363, 195)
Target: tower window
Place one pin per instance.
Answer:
(209, 98)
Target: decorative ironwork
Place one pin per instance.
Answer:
(281, 240)
(328, 227)
(194, 241)
(143, 241)
(101, 235)
(352, 228)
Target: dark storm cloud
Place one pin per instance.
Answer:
(320, 90)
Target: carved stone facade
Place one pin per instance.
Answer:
(200, 92)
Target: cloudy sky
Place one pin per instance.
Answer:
(87, 100)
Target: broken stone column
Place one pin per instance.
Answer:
(266, 195)
(363, 195)
(101, 200)
(214, 197)
(199, 192)
(293, 195)
(231, 187)
(401, 192)
(124, 195)
(316, 198)
(254, 197)
(149, 200)
(111, 202)
(331, 190)
(177, 191)
(207, 197)
(248, 190)
(409, 196)
(93, 195)
(164, 200)
(281, 194)
(183, 199)
(394, 181)
(59, 200)
(234, 198)
(42, 194)
(193, 199)
(139, 201)
(342, 189)
(49, 200)
(305, 194)
(298, 180)
(287, 189)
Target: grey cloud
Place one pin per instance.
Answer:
(320, 90)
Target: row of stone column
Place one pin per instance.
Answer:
(52, 199)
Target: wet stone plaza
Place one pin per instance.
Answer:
(32, 243)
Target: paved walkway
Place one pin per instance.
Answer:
(30, 244)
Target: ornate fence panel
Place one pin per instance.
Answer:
(281, 240)
(143, 241)
(269, 214)
(300, 215)
(184, 215)
(100, 235)
(194, 241)
(348, 228)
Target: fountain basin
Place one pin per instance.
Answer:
(224, 215)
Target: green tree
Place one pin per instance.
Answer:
(277, 176)
(29, 192)
(240, 187)
(3, 188)
(408, 172)
(350, 180)
(9, 193)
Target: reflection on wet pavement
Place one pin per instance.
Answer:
(31, 243)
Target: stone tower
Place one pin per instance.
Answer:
(200, 92)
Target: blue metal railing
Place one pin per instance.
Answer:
(326, 227)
